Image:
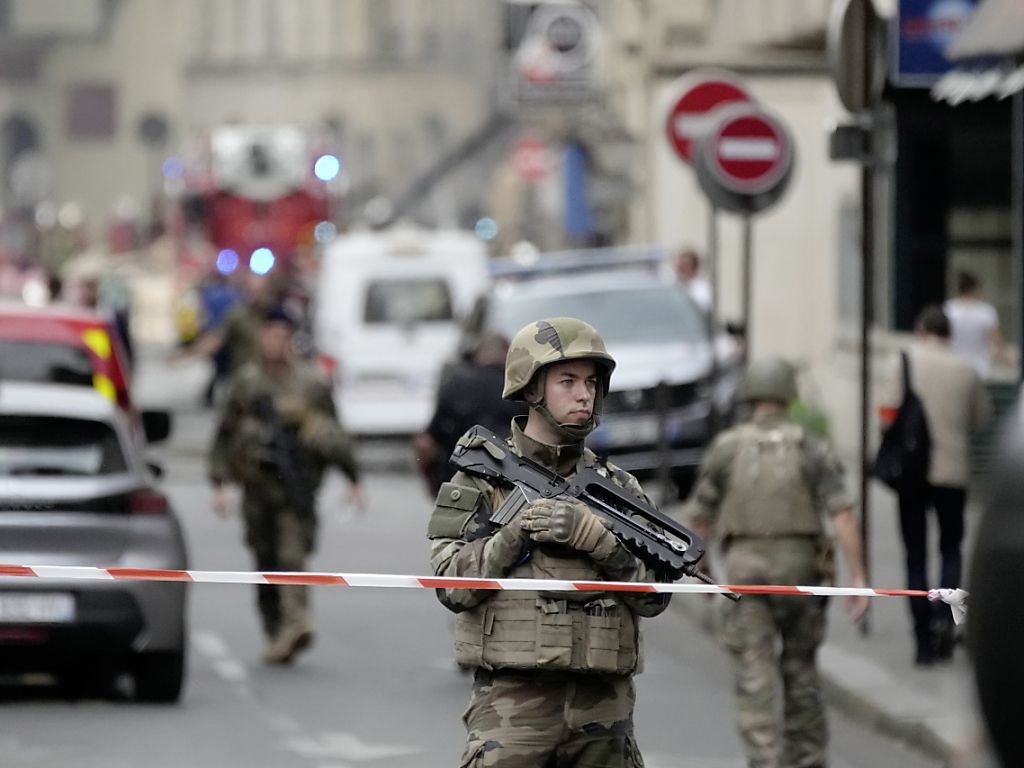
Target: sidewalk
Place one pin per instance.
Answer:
(873, 678)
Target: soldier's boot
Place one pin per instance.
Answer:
(292, 639)
(295, 634)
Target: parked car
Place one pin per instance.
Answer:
(75, 490)
(63, 345)
(666, 395)
(387, 316)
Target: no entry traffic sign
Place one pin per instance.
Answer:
(699, 93)
(745, 160)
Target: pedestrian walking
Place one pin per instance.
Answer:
(974, 325)
(277, 434)
(233, 341)
(956, 404)
(553, 671)
(687, 267)
(763, 490)
(217, 297)
(469, 395)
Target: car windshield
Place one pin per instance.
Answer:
(655, 314)
(52, 445)
(34, 361)
(408, 301)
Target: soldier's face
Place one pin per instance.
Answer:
(569, 390)
(275, 341)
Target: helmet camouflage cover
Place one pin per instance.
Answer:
(770, 378)
(551, 341)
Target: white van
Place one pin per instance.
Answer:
(387, 316)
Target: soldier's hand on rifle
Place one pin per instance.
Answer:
(356, 498)
(219, 499)
(565, 521)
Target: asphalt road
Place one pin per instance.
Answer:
(378, 688)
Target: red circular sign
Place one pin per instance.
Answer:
(532, 158)
(750, 152)
(700, 93)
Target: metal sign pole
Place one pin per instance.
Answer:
(867, 319)
(713, 322)
(748, 279)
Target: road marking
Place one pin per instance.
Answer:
(346, 746)
(224, 663)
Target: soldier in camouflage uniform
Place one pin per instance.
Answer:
(763, 488)
(277, 434)
(553, 680)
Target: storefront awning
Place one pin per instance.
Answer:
(995, 29)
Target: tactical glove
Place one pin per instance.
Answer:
(565, 521)
(505, 548)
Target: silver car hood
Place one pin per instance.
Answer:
(641, 366)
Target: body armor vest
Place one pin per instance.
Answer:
(768, 493)
(593, 632)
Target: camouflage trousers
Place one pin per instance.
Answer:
(774, 640)
(550, 720)
(280, 539)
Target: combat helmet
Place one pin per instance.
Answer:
(554, 340)
(770, 378)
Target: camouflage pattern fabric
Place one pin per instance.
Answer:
(773, 640)
(524, 720)
(551, 341)
(280, 539)
(525, 712)
(279, 529)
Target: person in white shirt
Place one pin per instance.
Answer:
(974, 324)
(687, 266)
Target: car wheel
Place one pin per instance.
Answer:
(159, 677)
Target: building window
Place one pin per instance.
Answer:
(90, 111)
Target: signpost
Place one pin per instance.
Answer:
(697, 95)
(744, 163)
(700, 92)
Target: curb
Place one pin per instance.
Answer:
(849, 693)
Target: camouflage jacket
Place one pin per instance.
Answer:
(301, 405)
(820, 477)
(460, 553)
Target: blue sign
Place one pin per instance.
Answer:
(922, 31)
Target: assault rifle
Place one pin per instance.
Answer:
(281, 448)
(670, 549)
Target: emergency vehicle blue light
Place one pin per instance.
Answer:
(172, 168)
(486, 228)
(327, 167)
(261, 261)
(227, 261)
(325, 232)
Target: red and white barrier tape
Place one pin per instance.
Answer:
(955, 598)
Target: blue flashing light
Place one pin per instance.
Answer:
(261, 261)
(172, 168)
(325, 232)
(327, 167)
(486, 228)
(227, 261)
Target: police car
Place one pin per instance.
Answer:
(667, 393)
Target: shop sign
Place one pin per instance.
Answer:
(922, 31)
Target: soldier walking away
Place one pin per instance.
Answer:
(277, 434)
(469, 395)
(762, 490)
(956, 404)
(553, 670)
